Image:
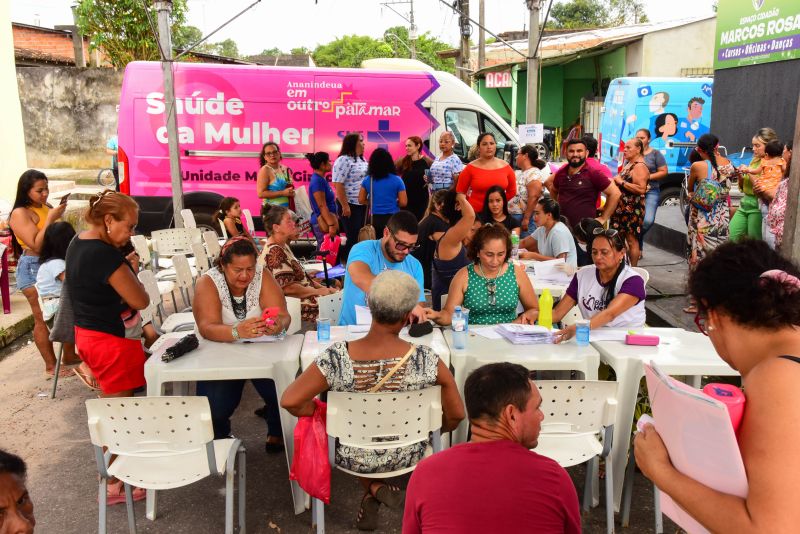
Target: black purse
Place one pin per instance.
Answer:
(186, 344)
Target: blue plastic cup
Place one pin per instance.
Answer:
(323, 329)
(582, 332)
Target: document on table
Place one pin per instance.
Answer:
(486, 331)
(697, 431)
(550, 271)
(260, 339)
(363, 315)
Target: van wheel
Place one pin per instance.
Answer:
(543, 151)
(670, 196)
(204, 217)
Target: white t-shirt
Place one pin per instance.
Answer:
(589, 295)
(47, 283)
(558, 241)
(519, 202)
(350, 172)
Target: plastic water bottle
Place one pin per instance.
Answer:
(546, 309)
(459, 326)
(514, 246)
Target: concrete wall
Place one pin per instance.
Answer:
(68, 114)
(666, 52)
(12, 146)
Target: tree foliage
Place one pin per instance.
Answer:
(351, 50)
(120, 28)
(577, 14)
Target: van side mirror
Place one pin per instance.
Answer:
(510, 154)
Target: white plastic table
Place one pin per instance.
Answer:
(679, 353)
(480, 351)
(312, 347)
(231, 361)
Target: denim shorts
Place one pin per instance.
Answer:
(27, 267)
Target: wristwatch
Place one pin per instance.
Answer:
(235, 332)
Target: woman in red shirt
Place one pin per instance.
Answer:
(484, 172)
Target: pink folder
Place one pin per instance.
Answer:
(698, 434)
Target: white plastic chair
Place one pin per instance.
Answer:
(571, 317)
(139, 243)
(184, 279)
(359, 419)
(173, 241)
(162, 443)
(188, 218)
(201, 262)
(643, 273)
(330, 306)
(211, 239)
(223, 229)
(294, 308)
(157, 289)
(174, 322)
(248, 218)
(577, 414)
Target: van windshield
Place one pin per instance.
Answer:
(466, 125)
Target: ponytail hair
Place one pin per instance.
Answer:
(226, 204)
(318, 159)
(708, 143)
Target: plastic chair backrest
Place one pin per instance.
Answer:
(571, 317)
(200, 258)
(643, 273)
(384, 420)
(223, 229)
(330, 306)
(183, 271)
(294, 308)
(248, 218)
(149, 426)
(584, 405)
(148, 280)
(442, 301)
(175, 240)
(188, 218)
(139, 243)
(211, 240)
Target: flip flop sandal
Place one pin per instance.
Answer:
(89, 381)
(368, 513)
(118, 496)
(390, 495)
(690, 309)
(62, 373)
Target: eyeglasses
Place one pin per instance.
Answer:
(401, 246)
(700, 319)
(271, 153)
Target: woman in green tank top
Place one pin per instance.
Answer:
(491, 287)
(746, 222)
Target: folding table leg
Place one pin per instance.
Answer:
(242, 490)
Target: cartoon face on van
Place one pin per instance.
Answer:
(226, 113)
(672, 110)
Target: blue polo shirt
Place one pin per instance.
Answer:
(370, 253)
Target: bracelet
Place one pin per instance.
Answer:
(235, 331)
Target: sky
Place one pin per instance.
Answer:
(270, 24)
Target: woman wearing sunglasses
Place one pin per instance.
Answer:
(748, 300)
(608, 292)
(491, 287)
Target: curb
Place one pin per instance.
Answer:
(9, 334)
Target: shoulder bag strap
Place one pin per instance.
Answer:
(393, 370)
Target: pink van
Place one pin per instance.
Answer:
(227, 112)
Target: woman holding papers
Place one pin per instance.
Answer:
(492, 286)
(552, 238)
(381, 361)
(608, 293)
(748, 300)
(228, 304)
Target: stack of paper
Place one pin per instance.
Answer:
(525, 334)
(551, 271)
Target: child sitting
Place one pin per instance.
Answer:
(230, 214)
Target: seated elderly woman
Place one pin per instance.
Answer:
(609, 292)
(360, 365)
(280, 260)
(491, 287)
(228, 304)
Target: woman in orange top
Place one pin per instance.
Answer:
(29, 218)
(484, 172)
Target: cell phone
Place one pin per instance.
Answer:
(269, 315)
(65, 198)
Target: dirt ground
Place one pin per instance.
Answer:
(53, 438)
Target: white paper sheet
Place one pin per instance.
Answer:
(357, 328)
(260, 339)
(363, 315)
(607, 334)
(486, 331)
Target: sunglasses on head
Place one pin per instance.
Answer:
(602, 231)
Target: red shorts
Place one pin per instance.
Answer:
(116, 362)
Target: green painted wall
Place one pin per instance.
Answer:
(561, 90)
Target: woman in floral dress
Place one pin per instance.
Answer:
(628, 218)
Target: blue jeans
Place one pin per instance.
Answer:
(531, 225)
(224, 397)
(650, 208)
(27, 268)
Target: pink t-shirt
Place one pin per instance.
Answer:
(494, 486)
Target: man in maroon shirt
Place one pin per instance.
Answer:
(494, 483)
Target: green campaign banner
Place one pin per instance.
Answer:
(756, 31)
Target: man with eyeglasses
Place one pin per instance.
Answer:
(369, 258)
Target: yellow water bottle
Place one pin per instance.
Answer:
(546, 309)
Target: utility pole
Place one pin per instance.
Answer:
(790, 247)
(466, 31)
(164, 9)
(481, 35)
(412, 33)
(531, 97)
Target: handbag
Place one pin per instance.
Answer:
(706, 193)
(367, 232)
